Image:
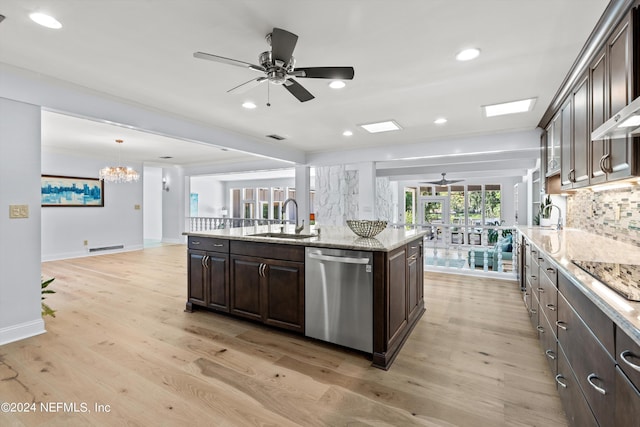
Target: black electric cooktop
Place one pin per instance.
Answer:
(622, 278)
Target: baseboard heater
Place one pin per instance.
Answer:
(106, 248)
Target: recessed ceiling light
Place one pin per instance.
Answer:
(347, 133)
(45, 20)
(440, 121)
(249, 105)
(468, 54)
(509, 107)
(337, 84)
(387, 126)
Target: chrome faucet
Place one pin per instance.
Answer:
(284, 208)
(559, 226)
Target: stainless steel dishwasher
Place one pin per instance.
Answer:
(339, 297)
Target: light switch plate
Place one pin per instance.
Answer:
(18, 211)
(136, 207)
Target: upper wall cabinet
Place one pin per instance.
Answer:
(609, 83)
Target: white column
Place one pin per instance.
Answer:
(303, 186)
(20, 240)
(367, 190)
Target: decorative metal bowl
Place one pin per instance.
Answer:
(366, 228)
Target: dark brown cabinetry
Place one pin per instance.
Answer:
(608, 83)
(595, 363)
(267, 289)
(398, 301)
(208, 274)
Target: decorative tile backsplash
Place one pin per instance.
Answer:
(336, 195)
(614, 214)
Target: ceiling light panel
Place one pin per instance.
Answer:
(389, 125)
(337, 84)
(512, 107)
(45, 20)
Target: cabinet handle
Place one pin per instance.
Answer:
(560, 383)
(260, 273)
(218, 245)
(413, 257)
(598, 389)
(534, 311)
(624, 355)
(551, 270)
(540, 329)
(205, 262)
(602, 168)
(550, 354)
(534, 277)
(551, 307)
(541, 290)
(562, 325)
(195, 242)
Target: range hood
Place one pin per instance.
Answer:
(625, 122)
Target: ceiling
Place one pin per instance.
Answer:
(141, 52)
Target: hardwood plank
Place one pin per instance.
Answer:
(121, 337)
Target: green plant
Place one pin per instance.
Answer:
(545, 208)
(46, 310)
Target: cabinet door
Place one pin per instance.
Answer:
(196, 278)
(283, 296)
(245, 287)
(599, 111)
(581, 135)
(397, 314)
(415, 279)
(620, 53)
(567, 174)
(218, 281)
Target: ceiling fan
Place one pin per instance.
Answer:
(444, 181)
(278, 65)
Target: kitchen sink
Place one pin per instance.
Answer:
(283, 235)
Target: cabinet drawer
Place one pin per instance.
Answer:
(413, 248)
(549, 270)
(548, 298)
(628, 356)
(575, 405)
(208, 244)
(268, 250)
(548, 343)
(627, 401)
(592, 365)
(601, 326)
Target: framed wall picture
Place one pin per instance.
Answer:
(71, 191)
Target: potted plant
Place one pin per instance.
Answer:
(545, 212)
(46, 310)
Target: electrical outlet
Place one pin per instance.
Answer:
(18, 211)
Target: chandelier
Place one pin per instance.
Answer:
(118, 174)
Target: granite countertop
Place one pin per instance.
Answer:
(329, 237)
(569, 244)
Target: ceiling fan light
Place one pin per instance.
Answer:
(337, 84)
(45, 20)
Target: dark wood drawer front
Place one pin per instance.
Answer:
(549, 344)
(627, 411)
(601, 326)
(549, 270)
(548, 299)
(628, 356)
(534, 306)
(592, 365)
(575, 405)
(268, 250)
(208, 244)
(413, 247)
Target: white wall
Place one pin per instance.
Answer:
(64, 229)
(174, 206)
(211, 195)
(152, 203)
(19, 238)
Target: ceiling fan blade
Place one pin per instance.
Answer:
(223, 60)
(282, 44)
(297, 90)
(243, 87)
(337, 73)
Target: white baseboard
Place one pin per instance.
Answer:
(85, 253)
(21, 331)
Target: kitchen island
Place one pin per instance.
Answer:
(258, 273)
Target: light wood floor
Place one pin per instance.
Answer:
(122, 340)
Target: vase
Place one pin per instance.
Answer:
(545, 222)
